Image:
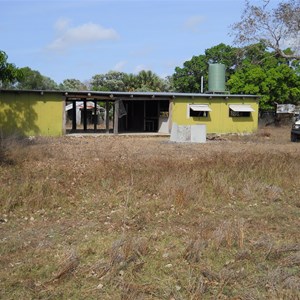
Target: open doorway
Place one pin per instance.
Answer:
(88, 116)
(144, 116)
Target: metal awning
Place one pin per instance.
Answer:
(241, 107)
(199, 107)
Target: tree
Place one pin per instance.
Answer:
(9, 73)
(263, 73)
(169, 84)
(147, 81)
(72, 85)
(278, 28)
(111, 81)
(224, 54)
(34, 80)
(130, 82)
(144, 81)
(188, 78)
(249, 70)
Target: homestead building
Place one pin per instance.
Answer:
(56, 113)
(44, 112)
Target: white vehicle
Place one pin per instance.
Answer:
(295, 132)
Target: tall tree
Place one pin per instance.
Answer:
(9, 73)
(34, 80)
(111, 81)
(147, 81)
(263, 73)
(249, 70)
(144, 81)
(188, 78)
(224, 54)
(278, 28)
(72, 85)
(130, 82)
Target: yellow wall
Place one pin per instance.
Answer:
(218, 120)
(30, 113)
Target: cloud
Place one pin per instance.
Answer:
(61, 24)
(140, 68)
(68, 36)
(193, 22)
(119, 66)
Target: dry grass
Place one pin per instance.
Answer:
(133, 217)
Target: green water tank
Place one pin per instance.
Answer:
(216, 78)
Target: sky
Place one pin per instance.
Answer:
(66, 39)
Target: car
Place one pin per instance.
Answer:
(295, 132)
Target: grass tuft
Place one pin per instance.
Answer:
(148, 219)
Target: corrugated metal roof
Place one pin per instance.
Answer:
(118, 95)
(160, 94)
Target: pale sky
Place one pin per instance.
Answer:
(78, 39)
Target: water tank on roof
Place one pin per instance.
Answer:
(216, 78)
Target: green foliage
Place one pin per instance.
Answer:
(111, 81)
(149, 81)
(145, 81)
(223, 54)
(34, 80)
(72, 85)
(188, 78)
(250, 70)
(23, 78)
(130, 81)
(9, 73)
(267, 74)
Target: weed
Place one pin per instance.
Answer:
(148, 219)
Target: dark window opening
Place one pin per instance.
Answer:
(233, 113)
(164, 109)
(199, 114)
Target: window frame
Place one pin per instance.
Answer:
(198, 114)
(240, 113)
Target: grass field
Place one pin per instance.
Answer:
(132, 217)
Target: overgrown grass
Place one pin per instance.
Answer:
(143, 218)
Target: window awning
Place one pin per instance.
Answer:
(241, 107)
(199, 107)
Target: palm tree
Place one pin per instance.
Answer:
(149, 81)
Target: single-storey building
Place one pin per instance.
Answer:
(55, 113)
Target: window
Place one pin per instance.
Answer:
(240, 110)
(233, 113)
(198, 110)
(164, 109)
